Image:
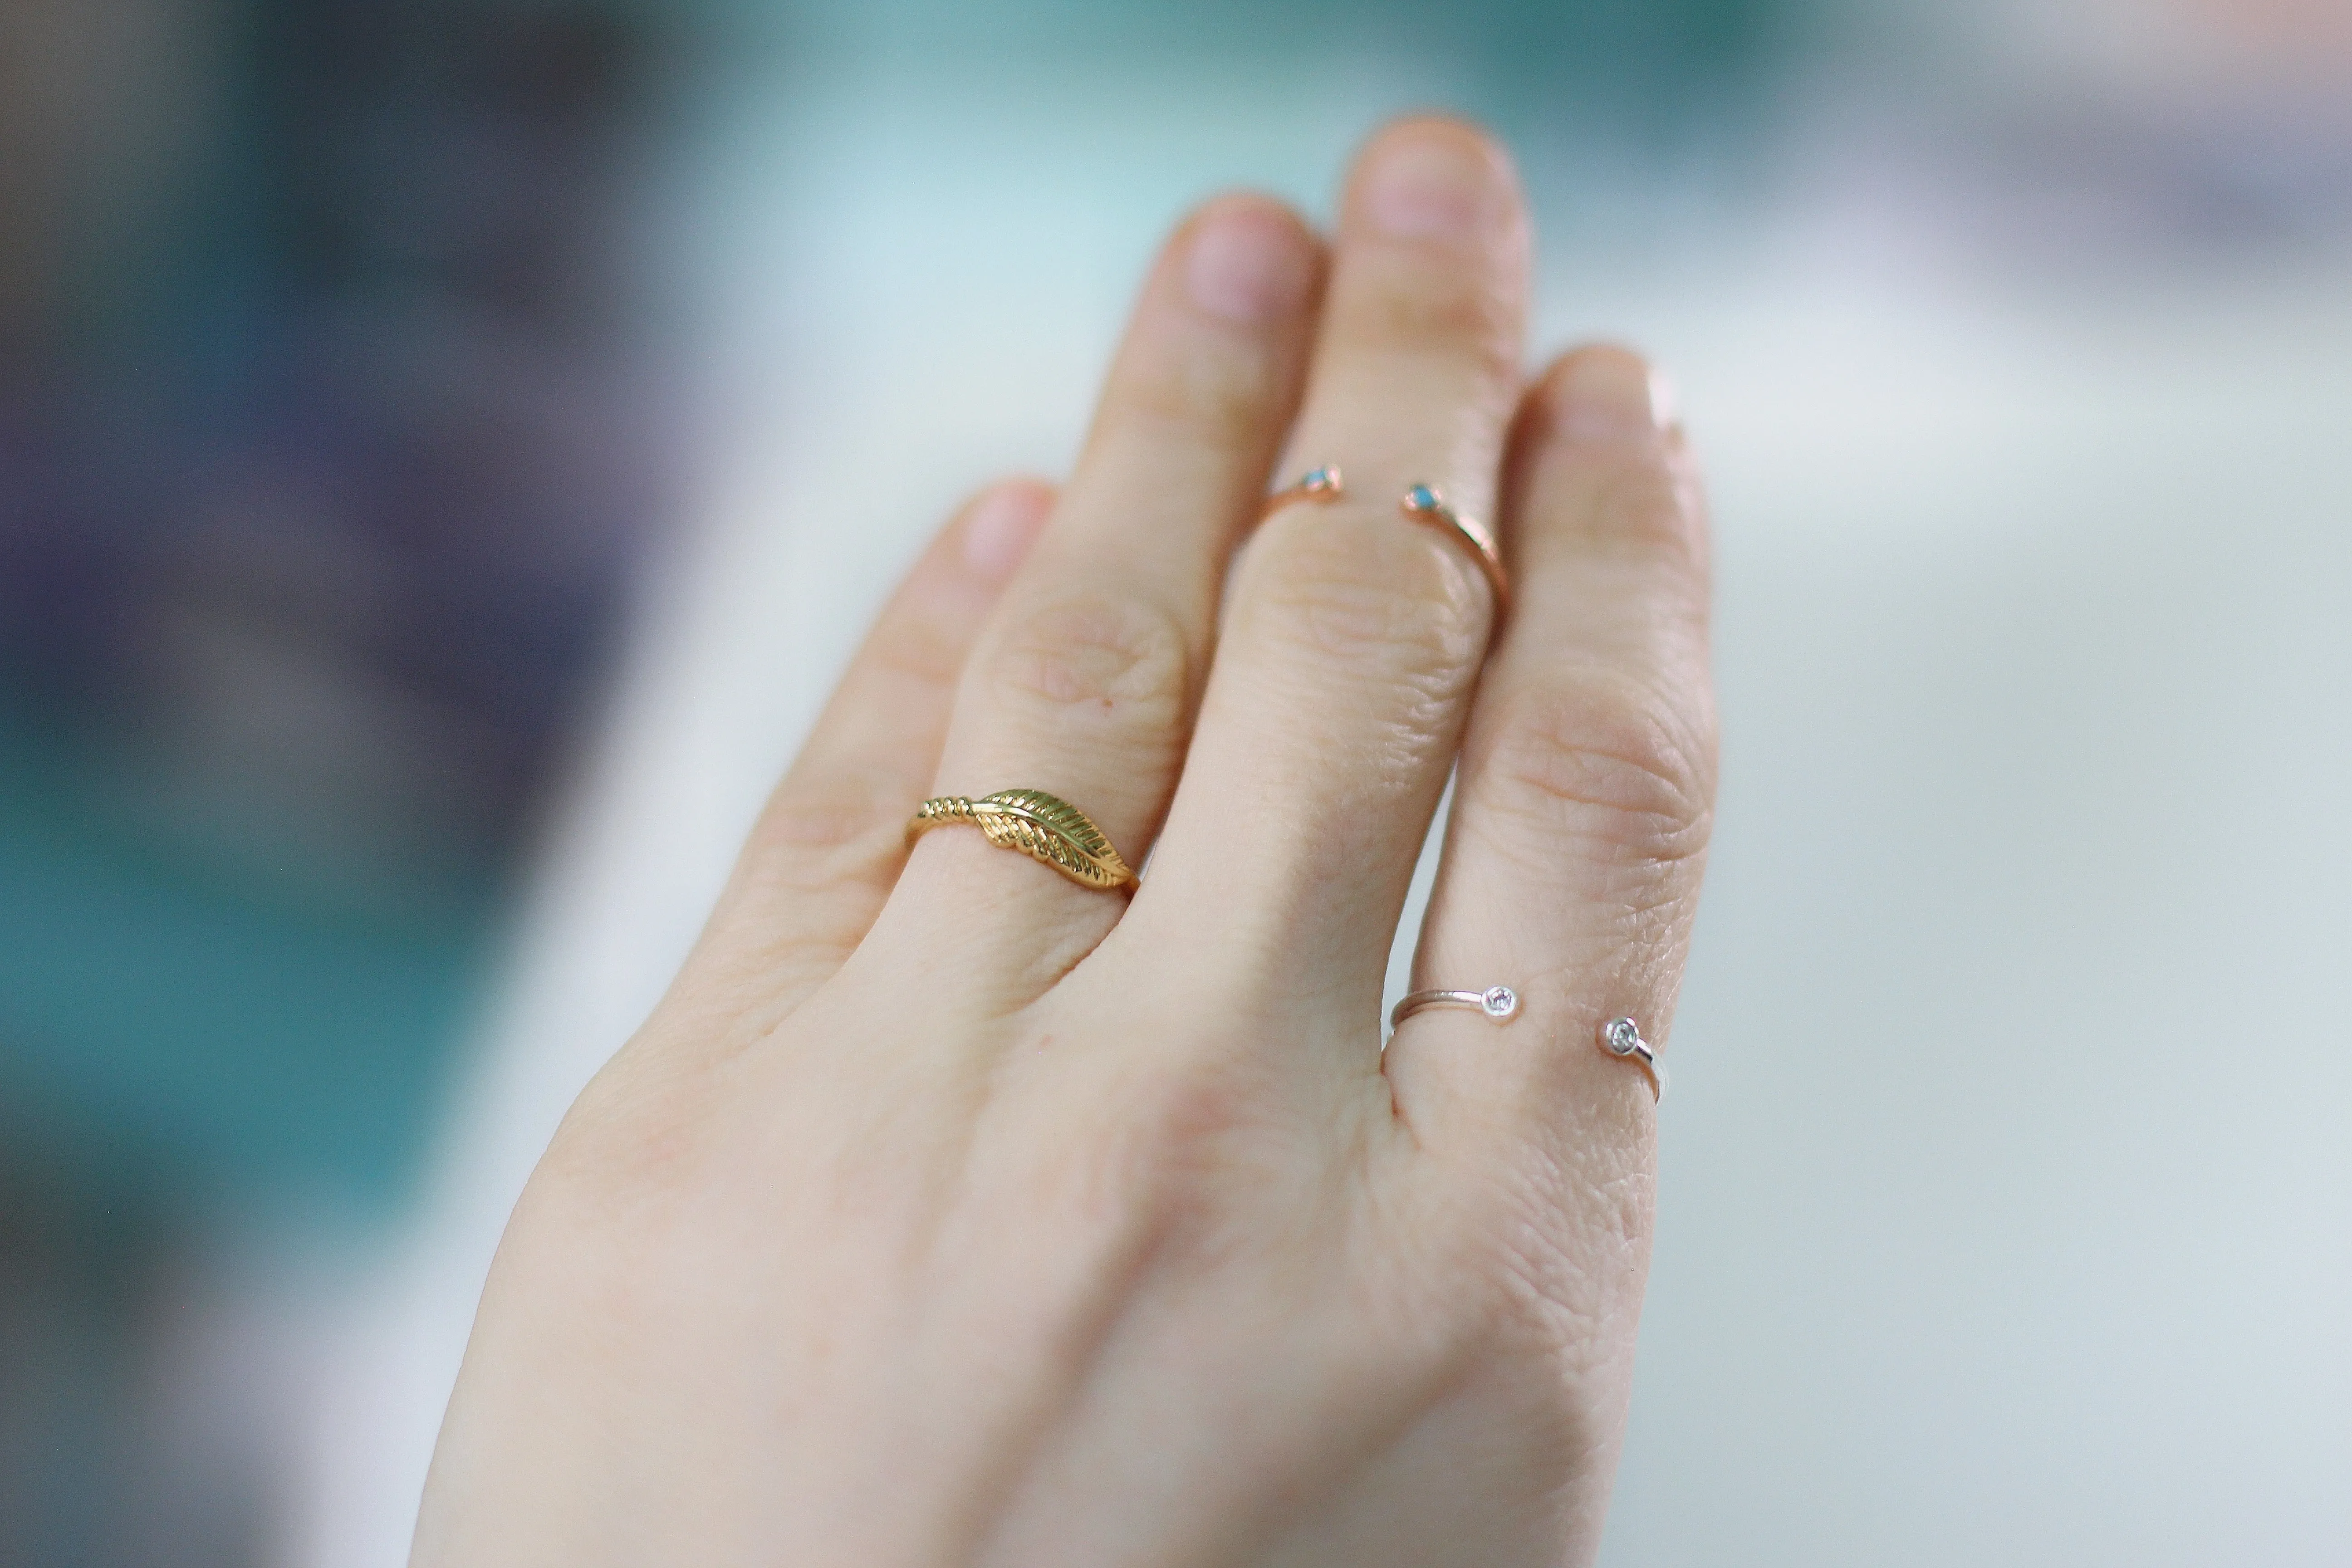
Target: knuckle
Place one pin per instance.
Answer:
(1601, 759)
(1399, 607)
(1168, 1177)
(1110, 653)
(630, 1138)
(1552, 1247)
(1183, 1148)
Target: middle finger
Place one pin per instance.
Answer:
(1354, 633)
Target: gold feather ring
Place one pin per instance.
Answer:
(1046, 828)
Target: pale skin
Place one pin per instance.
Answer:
(947, 1212)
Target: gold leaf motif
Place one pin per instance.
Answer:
(1044, 827)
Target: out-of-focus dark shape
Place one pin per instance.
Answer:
(323, 459)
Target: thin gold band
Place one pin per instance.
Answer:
(1424, 502)
(1323, 484)
(1046, 828)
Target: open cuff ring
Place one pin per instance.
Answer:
(1323, 484)
(1620, 1038)
(1497, 1002)
(1423, 502)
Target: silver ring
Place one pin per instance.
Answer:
(1497, 1002)
(1622, 1037)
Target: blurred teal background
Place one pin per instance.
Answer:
(410, 413)
(318, 501)
(326, 466)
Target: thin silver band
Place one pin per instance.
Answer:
(1620, 1037)
(1497, 1002)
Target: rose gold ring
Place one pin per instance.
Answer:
(1423, 502)
(1323, 484)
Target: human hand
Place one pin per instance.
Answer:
(947, 1212)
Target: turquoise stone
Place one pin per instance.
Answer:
(1421, 498)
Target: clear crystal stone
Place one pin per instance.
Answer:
(1500, 1002)
(1621, 1036)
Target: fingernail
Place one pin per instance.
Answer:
(1248, 266)
(1000, 529)
(1611, 394)
(1431, 185)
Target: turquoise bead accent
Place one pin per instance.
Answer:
(1421, 498)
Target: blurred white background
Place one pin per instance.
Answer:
(2006, 1205)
